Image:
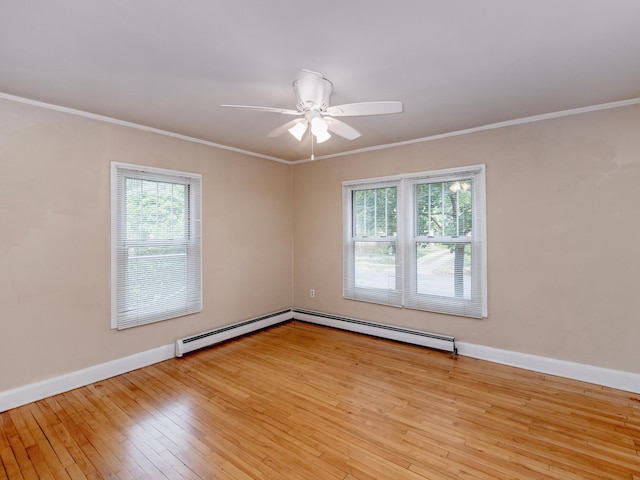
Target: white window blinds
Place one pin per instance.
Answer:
(372, 270)
(418, 241)
(445, 244)
(155, 245)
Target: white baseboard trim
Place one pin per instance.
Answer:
(617, 379)
(63, 383)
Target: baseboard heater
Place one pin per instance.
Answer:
(416, 337)
(211, 337)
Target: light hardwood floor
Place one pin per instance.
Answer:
(299, 401)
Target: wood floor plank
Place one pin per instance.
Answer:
(299, 401)
(18, 448)
(8, 461)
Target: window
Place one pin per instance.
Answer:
(418, 241)
(155, 245)
(372, 267)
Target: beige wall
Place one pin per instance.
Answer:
(563, 227)
(54, 241)
(560, 193)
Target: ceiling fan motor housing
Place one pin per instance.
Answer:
(313, 97)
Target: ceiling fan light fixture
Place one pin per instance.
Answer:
(318, 126)
(322, 136)
(298, 130)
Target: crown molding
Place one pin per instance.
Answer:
(491, 126)
(137, 126)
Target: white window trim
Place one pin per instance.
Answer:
(195, 209)
(405, 255)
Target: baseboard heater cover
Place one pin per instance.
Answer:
(416, 337)
(217, 335)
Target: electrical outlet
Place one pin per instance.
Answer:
(312, 293)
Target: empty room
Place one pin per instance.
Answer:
(319, 240)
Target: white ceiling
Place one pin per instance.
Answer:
(455, 64)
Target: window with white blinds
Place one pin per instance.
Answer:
(155, 245)
(418, 241)
(372, 269)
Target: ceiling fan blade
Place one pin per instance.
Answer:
(285, 111)
(340, 128)
(364, 108)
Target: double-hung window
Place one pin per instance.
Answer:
(372, 269)
(155, 245)
(418, 241)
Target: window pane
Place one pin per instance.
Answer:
(443, 209)
(156, 248)
(375, 212)
(375, 265)
(444, 269)
(155, 210)
(156, 278)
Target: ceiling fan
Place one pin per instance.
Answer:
(313, 93)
